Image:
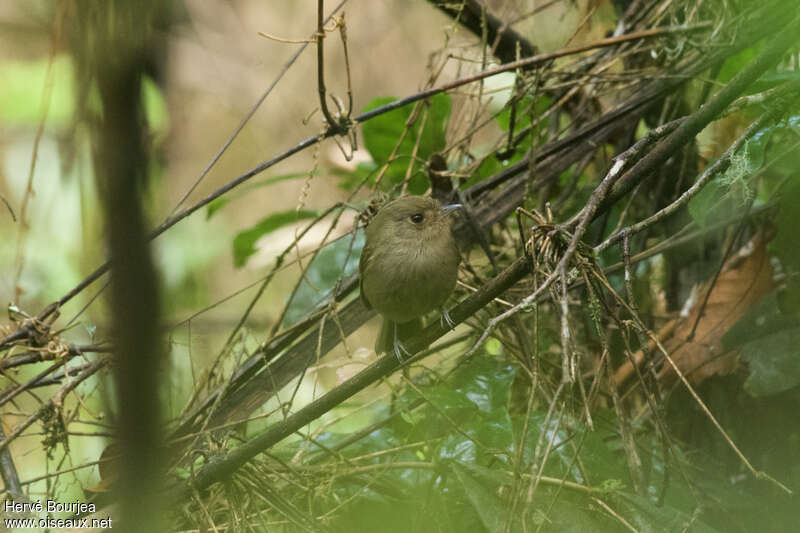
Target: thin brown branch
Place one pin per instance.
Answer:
(55, 401)
(713, 170)
(177, 217)
(708, 112)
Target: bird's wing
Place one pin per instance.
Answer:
(363, 262)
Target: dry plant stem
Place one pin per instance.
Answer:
(284, 370)
(536, 478)
(452, 423)
(323, 103)
(626, 431)
(567, 375)
(516, 497)
(695, 122)
(177, 217)
(37, 356)
(504, 40)
(30, 383)
(629, 444)
(343, 35)
(720, 165)
(433, 466)
(10, 209)
(47, 92)
(9, 472)
(61, 472)
(757, 473)
(58, 377)
(219, 469)
(278, 263)
(642, 327)
(616, 515)
(337, 288)
(414, 152)
(55, 401)
(250, 114)
(586, 216)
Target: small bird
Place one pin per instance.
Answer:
(408, 266)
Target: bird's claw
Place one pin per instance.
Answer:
(446, 320)
(399, 349)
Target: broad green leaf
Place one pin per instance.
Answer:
(764, 319)
(737, 62)
(478, 397)
(773, 362)
(647, 516)
(244, 242)
(488, 167)
(365, 172)
(486, 382)
(526, 109)
(382, 134)
(526, 106)
(481, 485)
(216, 205)
(726, 194)
(706, 201)
(336, 260)
(155, 108)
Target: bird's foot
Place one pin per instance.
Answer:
(400, 351)
(446, 320)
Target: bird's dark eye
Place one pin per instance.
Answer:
(416, 218)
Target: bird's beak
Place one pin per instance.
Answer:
(450, 207)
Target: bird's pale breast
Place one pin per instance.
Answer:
(403, 286)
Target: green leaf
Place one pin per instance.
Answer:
(704, 202)
(477, 399)
(222, 201)
(155, 108)
(364, 173)
(647, 516)
(488, 167)
(486, 382)
(382, 134)
(725, 195)
(244, 242)
(481, 485)
(735, 63)
(526, 109)
(334, 261)
(774, 365)
(764, 319)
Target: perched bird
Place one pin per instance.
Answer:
(408, 266)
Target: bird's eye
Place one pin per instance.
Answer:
(416, 218)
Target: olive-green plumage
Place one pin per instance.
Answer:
(409, 264)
